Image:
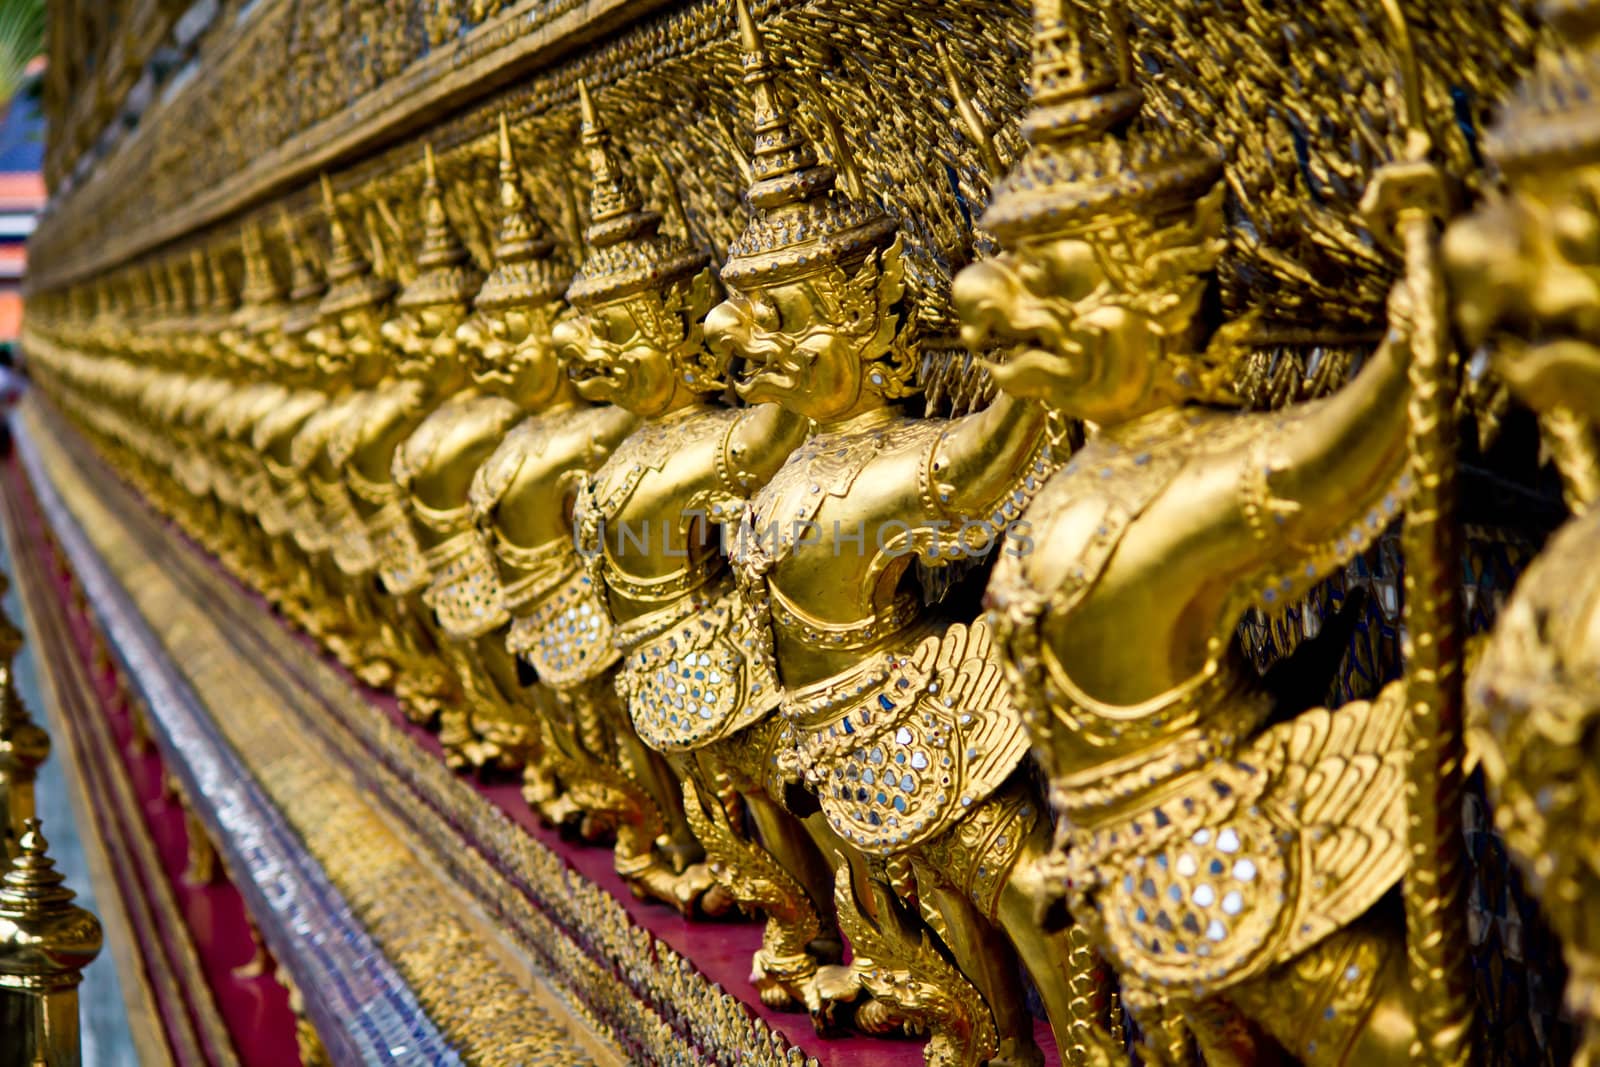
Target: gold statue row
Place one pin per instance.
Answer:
(665, 539)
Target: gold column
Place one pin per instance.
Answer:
(45, 943)
(24, 746)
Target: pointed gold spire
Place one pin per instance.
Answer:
(221, 291)
(784, 165)
(1088, 157)
(522, 234)
(345, 258)
(1076, 94)
(260, 286)
(305, 287)
(303, 281)
(445, 272)
(201, 301)
(440, 245)
(351, 281)
(32, 885)
(151, 301)
(177, 292)
(526, 269)
(801, 223)
(627, 250)
(616, 209)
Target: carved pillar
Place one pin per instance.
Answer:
(45, 943)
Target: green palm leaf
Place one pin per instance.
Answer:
(21, 39)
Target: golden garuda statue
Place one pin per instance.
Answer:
(1230, 855)
(896, 719)
(527, 494)
(1524, 288)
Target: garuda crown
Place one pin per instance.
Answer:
(352, 283)
(800, 223)
(445, 272)
(628, 253)
(526, 267)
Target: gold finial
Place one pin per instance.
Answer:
(260, 282)
(1086, 156)
(616, 209)
(221, 292)
(749, 36)
(1076, 93)
(586, 114)
(627, 251)
(352, 282)
(525, 267)
(303, 281)
(33, 886)
(784, 165)
(445, 272)
(177, 291)
(344, 257)
(513, 201)
(45, 939)
(440, 245)
(801, 223)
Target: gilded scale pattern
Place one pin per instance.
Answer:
(1202, 249)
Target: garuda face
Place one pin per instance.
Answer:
(511, 351)
(1526, 273)
(818, 344)
(637, 350)
(1105, 325)
(425, 337)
